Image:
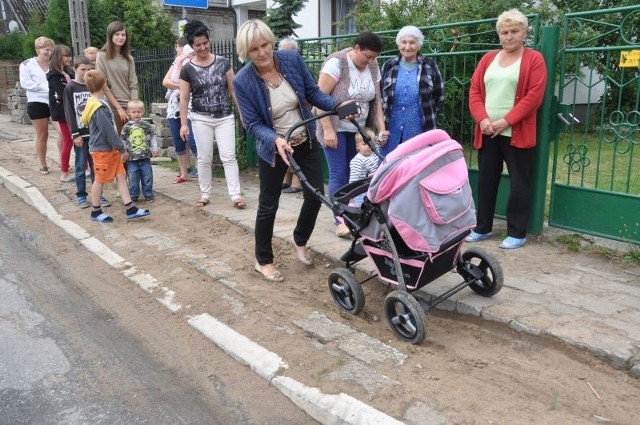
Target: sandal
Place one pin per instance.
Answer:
(44, 170)
(102, 218)
(179, 180)
(276, 276)
(202, 202)
(239, 203)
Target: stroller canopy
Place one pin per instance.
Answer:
(423, 190)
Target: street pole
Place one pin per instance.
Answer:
(79, 19)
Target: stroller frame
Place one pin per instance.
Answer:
(408, 270)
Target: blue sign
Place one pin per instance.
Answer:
(198, 4)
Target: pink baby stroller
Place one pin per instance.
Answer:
(412, 223)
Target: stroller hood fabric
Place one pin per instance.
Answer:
(423, 190)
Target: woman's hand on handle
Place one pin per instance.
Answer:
(283, 147)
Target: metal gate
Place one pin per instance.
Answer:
(595, 186)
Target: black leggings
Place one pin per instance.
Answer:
(309, 158)
(520, 167)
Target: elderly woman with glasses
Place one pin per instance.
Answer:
(412, 90)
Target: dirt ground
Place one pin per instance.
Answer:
(468, 370)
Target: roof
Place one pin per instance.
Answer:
(23, 10)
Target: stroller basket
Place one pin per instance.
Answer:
(418, 268)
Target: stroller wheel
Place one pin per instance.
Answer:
(346, 291)
(405, 316)
(478, 261)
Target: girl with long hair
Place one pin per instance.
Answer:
(115, 60)
(60, 74)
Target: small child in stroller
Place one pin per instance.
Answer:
(363, 165)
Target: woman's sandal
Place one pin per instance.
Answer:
(239, 203)
(44, 170)
(276, 276)
(202, 202)
(179, 180)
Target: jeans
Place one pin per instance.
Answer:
(140, 173)
(309, 158)
(222, 131)
(178, 143)
(338, 161)
(82, 157)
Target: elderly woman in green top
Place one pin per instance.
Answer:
(506, 91)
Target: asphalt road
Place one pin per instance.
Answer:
(68, 356)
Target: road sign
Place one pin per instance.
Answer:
(198, 4)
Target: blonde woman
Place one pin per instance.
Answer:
(506, 91)
(33, 79)
(275, 90)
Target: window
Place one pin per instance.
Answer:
(341, 24)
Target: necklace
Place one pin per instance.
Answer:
(273, 85)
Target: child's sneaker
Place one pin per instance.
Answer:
(82, 202)
(134, 212)
(193, 173)
(104, 202)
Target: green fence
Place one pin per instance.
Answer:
(596, 161)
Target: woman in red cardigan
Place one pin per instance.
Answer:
(506, 91)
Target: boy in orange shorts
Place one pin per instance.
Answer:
(106, 149)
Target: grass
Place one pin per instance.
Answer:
(603, 163)
(575, 242)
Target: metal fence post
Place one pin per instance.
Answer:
(549, 49)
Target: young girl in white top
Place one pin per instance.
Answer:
(33, 79)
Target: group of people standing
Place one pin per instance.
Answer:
(57, 87)
(400, 100)
(275, 89)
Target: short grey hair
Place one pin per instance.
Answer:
(410, 31)
(512, 17)
(288, 43)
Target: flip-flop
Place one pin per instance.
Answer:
(239, 203)
(179, 180)
(274, 277)
(202, 202)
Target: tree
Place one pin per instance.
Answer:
(11, 46)
(57, 25)
(280, 19)
(148, 26)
